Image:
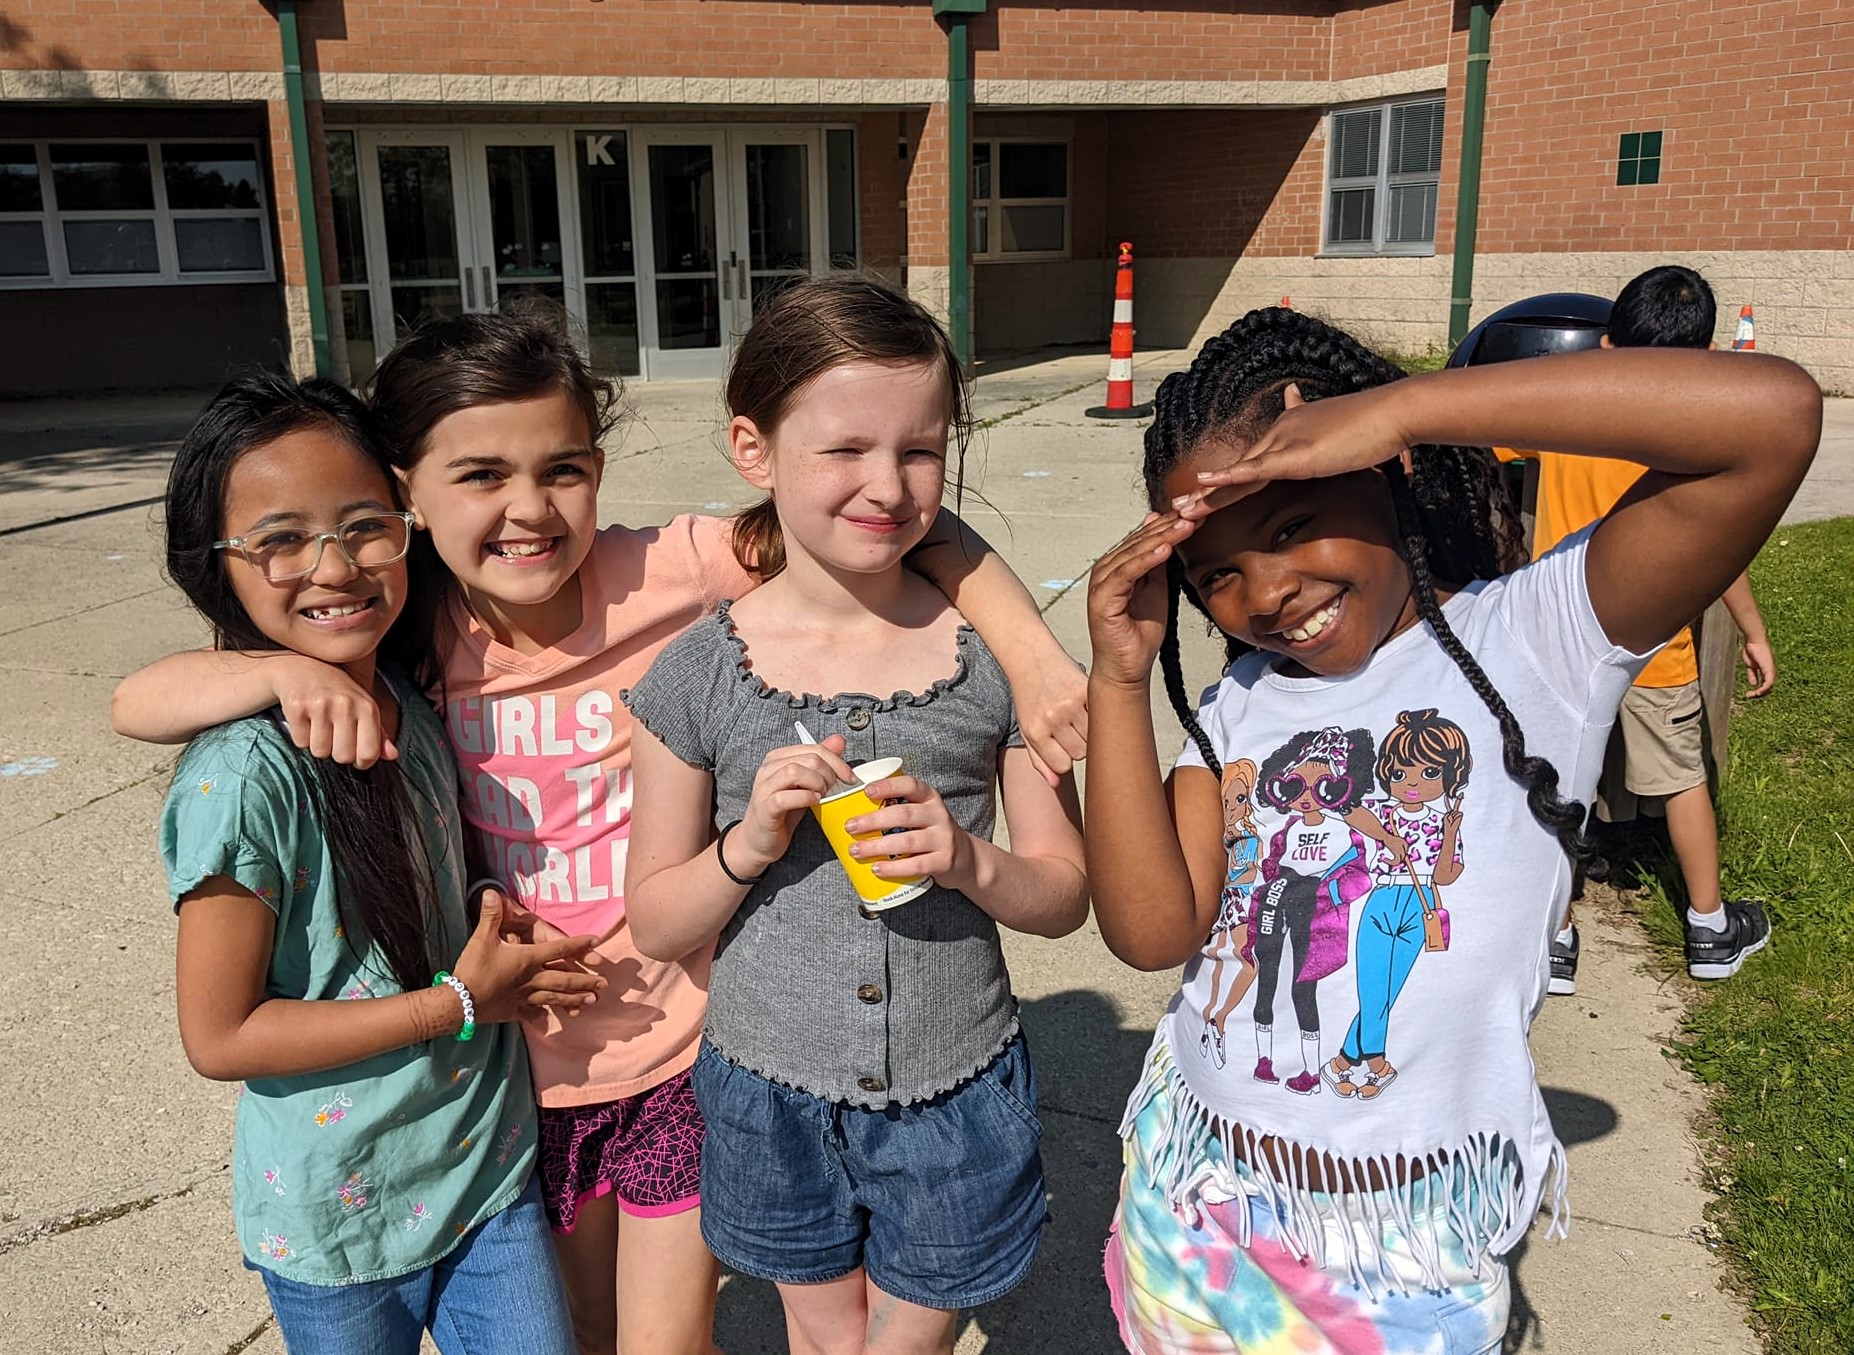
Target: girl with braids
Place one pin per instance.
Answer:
(1344, 528)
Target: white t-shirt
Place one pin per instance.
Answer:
(1457, 1020)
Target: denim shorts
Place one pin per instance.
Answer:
(498, 1289)
(941, 1202)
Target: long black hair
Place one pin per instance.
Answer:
(385, 885)
(1455, 520)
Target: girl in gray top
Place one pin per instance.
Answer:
(872, 1132)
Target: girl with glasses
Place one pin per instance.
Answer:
(382, 1173)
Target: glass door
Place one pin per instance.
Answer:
(419, 236)
(689, 293)
(777, 236)
(520, 205)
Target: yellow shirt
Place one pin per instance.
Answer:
(1574, 491)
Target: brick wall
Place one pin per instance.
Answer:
(1215, 183)
(1756, 103)
(1179, 40)
(1373, 38)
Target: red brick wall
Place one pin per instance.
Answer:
(927, 187)
(1756, 104)
(1019, 39)
(1371, 37)
(1215, 184)
(162, 35)
(881, 189)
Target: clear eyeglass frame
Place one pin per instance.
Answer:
(321, 539)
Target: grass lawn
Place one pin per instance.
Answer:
(1776, 1043)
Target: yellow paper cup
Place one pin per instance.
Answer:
(844, 804)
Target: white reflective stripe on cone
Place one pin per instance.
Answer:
(1123, 312)
(1120, 369)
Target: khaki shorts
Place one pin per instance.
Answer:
(1660, 732)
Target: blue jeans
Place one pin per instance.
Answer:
(498, 1291)
(941, 1202)
(1390, 937)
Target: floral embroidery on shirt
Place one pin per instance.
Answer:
(302, 878)
(509, 1143)
(416, 1219)
(275, 1246)
(357, 989)
(207, 785)
(336, 1108)
(461, 1074)
(353, 1193)
(273, 1176)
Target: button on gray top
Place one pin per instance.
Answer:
(786, 994)
(869, 993)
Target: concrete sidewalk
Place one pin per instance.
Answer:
(115, 1230)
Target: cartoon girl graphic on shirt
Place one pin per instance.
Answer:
(1229, 939)
(1423, 768)
(1315, 867)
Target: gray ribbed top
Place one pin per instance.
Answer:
(805, 989)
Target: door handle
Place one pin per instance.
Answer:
(746, 291)
(488, 300)
(727, 282)
(469, 290)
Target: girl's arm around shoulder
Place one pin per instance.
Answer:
(1047, 686)
(232, 1031)
(178, 697)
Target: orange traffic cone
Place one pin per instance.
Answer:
(1120, 348)
(1745, 341)
(1287, 304)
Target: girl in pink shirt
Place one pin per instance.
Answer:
(496, 425)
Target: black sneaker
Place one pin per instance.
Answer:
(1719, 955)
(1564, 966)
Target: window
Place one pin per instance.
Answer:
(1383, 172)
(1638, 158)
(132, 213)
(1020, 199)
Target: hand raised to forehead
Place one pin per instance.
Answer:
(1334, 436)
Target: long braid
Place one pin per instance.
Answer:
(1456, 520)
(1171, 665)
(1564, 817)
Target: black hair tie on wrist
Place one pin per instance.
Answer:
(745, 882)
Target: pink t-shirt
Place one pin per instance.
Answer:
(544, 755)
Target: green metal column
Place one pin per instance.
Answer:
(957, 14)
(305, 187)
(1468, 198)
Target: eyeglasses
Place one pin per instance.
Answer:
(1328, 791)
(281, 553)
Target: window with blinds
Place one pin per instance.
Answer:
(1383, 172)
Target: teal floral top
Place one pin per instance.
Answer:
(376, 1169)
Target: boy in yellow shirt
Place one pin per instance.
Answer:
(1659, 725)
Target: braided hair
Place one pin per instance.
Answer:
(1455, 520)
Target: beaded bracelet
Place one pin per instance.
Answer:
(463, 994)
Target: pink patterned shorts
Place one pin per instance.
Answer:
(645, 1149)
